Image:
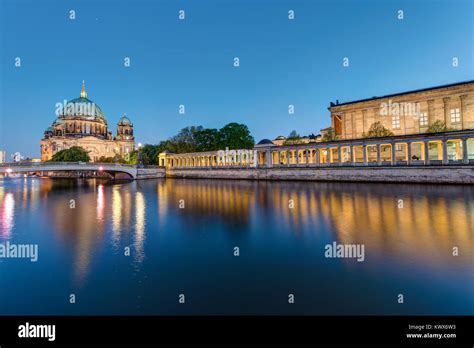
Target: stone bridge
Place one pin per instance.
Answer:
(33, 167)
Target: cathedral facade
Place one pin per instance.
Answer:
(81, 122)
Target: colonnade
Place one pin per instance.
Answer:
(437, 149)
(380, 153)
(209, 159)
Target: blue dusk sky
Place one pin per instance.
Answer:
(190, 61)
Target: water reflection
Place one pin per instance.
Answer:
(116, 215)
(139, 226)
(231, 203)
(6, 213)
(420, 223)
(100, 203)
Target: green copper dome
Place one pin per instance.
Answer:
(124, 121)
(83, 108)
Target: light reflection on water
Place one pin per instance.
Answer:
(409, 232)
(7, 213)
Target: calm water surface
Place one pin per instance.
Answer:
(189, 251)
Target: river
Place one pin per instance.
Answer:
(235, 247)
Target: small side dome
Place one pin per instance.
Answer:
(280, 137)
(265, 142)
(58, 122)
(124, 121)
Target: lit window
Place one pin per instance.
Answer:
(455, 115)
(396, 122)
(423, 119)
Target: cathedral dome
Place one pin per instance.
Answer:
(83, 108)
(124, 121)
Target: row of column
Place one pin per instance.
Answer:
(208, 161)
(270, 157)
(324, 155)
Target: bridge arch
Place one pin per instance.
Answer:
(112, 168)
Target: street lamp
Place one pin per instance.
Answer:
(140, 156)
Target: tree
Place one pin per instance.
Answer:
(185, 140)
(198, 138)
(377, 130)
(330, 135)
(150, 154)
(293, 135)
(104, 159)
(130, 158)
(438, 126)
(73, 154)
(208, 139)
(293, 138)
(236, 136)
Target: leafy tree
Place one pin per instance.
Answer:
(73, 154)
(150, 154)
(208, 139)
(130, 158)
(330, 135)
(198, 138)
(236, 136)
(377, 130)
(185, 140)
(293, 135)
(104, 159)
(293, 138)
(162, 146)
(438, 126)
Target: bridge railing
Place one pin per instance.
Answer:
(42, 164)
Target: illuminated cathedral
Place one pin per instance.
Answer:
(81, 122)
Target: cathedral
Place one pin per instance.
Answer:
(81, 122)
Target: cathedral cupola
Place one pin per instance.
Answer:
(125, 129)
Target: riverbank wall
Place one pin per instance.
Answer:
(429, 174)
(150, 173)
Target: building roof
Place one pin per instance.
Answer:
(124, 120)
(402, 93)
(83, 108)
(265, 142)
